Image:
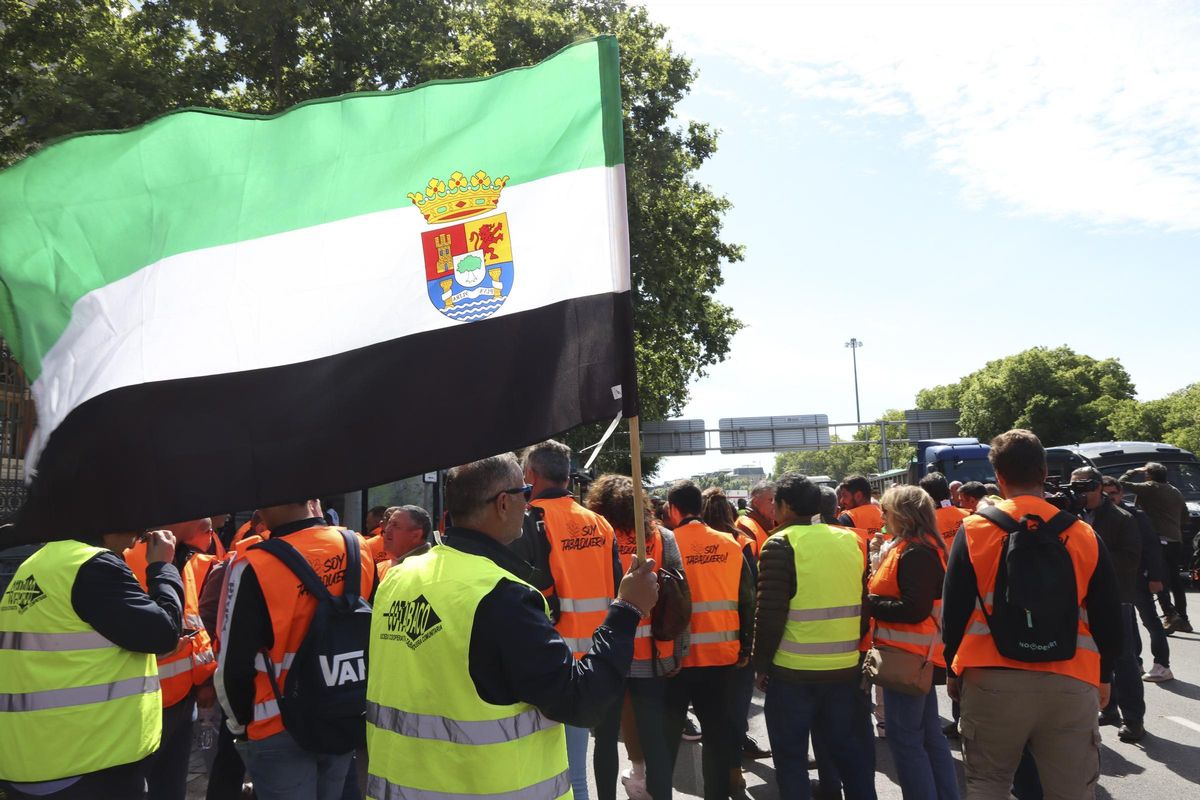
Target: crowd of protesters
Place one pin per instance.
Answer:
(526, 624)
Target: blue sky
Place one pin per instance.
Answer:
(949, 185)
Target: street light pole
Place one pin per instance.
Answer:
(854, 344)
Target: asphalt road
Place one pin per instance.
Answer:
(1164, 766)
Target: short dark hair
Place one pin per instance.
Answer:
(828, 509)
(378, 511)
(419, 516)
(854, 484)
(973, 489)
(741, 503)
(802, 496)
(469, 486)
(1156, 472)
(1092, 473)
(1109, 480)
(1019, 458)
(686, 496)
(992, 489)
(549, 459)
(935, 485)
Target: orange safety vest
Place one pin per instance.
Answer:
(985, 545)
(757, 533)
(192, 662)
(375, 547)
(867, 519)
(244, 532)
(948, 520)
(291, 609)
(581, 563)
(910, 637)
(644, 646)
(713, 564)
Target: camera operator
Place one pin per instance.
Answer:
(1165, 506)
(1119, 532)
(1151, 578)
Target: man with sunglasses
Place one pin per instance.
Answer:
(487, 680)
(1119, 532)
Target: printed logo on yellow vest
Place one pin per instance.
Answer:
(22, 595)
(411, 621)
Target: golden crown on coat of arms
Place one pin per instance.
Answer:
(458, 197)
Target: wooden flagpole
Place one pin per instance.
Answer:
(639, 495)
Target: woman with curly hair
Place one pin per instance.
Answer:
(640, 718)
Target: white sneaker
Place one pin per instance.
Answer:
(635, 787)
(1158, 673)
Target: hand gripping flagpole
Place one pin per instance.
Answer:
(639, 496)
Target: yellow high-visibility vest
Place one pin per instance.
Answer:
(71, 701)
(824, 616)
(429, 733)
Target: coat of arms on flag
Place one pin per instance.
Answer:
(468, 265)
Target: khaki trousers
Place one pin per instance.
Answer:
(1002, 709)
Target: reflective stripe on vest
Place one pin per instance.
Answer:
(465, 746)
(52, 642)
(713, 563)
(78, 695)
(73, 702)
(823, 629)
(549, 789)
(444, 729)
(581, 564)
(985, 544)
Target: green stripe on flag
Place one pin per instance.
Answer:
(94, 208)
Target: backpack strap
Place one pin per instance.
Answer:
(998, 518)
(1058, 524)
(353, 579)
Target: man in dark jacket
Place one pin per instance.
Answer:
(1167, 509)
(1150, 581)
(1119, 532)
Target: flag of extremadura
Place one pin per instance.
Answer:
(222, 310)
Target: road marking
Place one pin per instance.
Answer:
(1187, 723)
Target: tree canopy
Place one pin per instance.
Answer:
(77, 65)
(1061, 395)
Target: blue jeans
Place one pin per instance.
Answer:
(924, 765)
(1128, 691)
(282, 770)
(840, 713)
(577, 760)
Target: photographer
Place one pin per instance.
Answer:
(1119, 532)
(1165, 506)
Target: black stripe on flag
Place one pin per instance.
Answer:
(174, 450)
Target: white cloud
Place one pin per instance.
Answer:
(1073, 110)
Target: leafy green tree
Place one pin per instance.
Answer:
(75, 65)
(1174, 419)
(1060, 395)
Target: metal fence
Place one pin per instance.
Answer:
(16, 426)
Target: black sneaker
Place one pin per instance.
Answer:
(750, 749)
(1132, 732)
(1113, 719)
(691, 731)
(951, 730)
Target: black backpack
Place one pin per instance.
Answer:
(1035, 610)
(324, 699)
